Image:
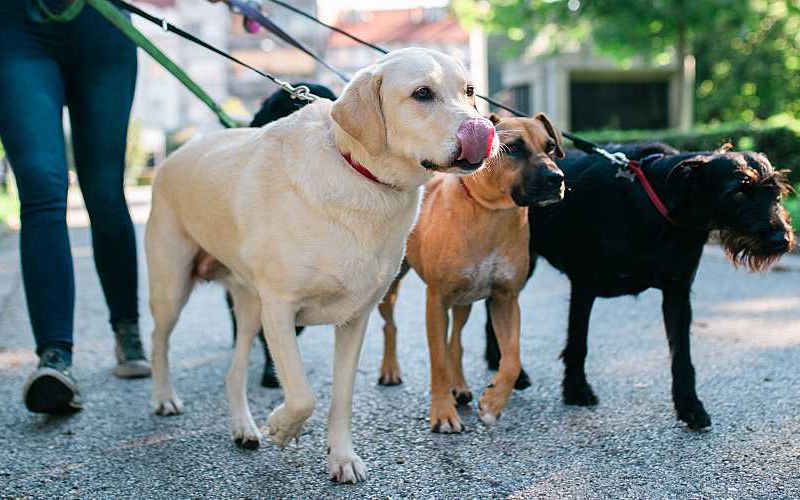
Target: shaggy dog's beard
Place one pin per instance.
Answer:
(750, 251)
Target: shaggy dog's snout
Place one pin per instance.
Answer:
(475, 138)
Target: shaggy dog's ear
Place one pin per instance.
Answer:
(553, 132)
(358, 112)
(688, 168)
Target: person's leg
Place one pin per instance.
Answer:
(100, 76)
(31, 104)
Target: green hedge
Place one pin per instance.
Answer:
(778, 138)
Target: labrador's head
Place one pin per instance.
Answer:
(419, 105)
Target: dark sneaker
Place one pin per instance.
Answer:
(131, 361)
(51, 388)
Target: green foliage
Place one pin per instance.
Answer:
(747, 51)
(792, 205)
(778, 138)
(9, 208)
(751, 73)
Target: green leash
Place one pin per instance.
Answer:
(115, 17)
(41, 13)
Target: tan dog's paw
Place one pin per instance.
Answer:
(283, 426)
(390, 373)
(462, 395)
(346, 467)
(444, 417)
(493, 401)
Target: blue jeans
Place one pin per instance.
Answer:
(90, 67)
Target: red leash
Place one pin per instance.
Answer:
(636, 168)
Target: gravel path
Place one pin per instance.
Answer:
(746, 351)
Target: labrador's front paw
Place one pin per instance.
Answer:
(168, 404)
(284, 425)
(245, 432)
(346, 467)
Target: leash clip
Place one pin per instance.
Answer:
(301, 92)
(625, 173)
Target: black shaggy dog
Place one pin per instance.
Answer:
(274, 107)
(610, 240)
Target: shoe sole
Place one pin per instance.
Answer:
(49, 391)
(135, 371)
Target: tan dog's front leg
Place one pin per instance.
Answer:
(460, 388)
(443, 415)
(285, 421)
(505, 319)
(390, 367)
(344, 466)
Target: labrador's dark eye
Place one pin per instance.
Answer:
(470, 91)
(423, 94)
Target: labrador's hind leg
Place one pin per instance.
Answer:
(170, 258)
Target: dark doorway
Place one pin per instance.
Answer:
(619, 105)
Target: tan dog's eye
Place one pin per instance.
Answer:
(550, 147)
(470, 91)
(423, 94)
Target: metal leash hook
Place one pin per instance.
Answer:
(301, 92)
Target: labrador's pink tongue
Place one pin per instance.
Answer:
(475, 136)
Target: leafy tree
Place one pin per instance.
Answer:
(724, 35)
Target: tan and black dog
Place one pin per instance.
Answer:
(471, 243)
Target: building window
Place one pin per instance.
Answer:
(521, 98)
(597, 105)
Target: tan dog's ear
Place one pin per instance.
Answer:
(553, 132)
(358, 112)
(494, 118)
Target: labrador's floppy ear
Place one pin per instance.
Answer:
(553, 132)
(358, 112)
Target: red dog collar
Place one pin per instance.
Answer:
(361, 169)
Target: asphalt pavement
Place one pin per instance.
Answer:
(746, 347)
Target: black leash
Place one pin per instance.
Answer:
(300, 92)
(251, 11)
(330, 27)
(380, 49)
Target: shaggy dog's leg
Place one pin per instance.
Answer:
(492, 353)
(170, 258)
(460, 388)
(677, 309)
(247, 309)
(278, 320)
(344, 465)
(506, 321)
(576, 390)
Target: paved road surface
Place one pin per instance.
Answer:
(746, 350)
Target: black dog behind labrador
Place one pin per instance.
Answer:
(610, 240)
(274, 107)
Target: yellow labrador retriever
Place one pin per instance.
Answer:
(305, 222)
